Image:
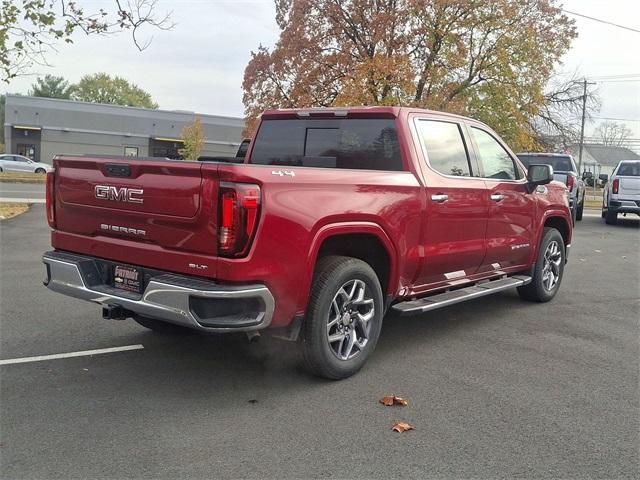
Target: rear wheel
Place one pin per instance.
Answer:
(547, 274)
(159, 326)
(40, 170)
(611, 217)
(343, 319)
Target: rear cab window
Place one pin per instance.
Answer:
(629, 170)
(344, 143)
(559, 163)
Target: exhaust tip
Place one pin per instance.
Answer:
(253, 337)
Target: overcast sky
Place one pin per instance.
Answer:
(199, 65)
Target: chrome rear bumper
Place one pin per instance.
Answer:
(187, 301)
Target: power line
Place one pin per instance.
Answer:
(620, 119)
(601, 21)
(611, 77)
(620, 81)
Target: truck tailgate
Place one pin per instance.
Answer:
(629, 187)
(157, 213)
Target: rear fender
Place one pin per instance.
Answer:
(343, 228)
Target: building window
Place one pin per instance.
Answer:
(27, 150)
(130, 151)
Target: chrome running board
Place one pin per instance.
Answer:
(445, 299)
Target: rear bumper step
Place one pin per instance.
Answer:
(463, 294)
(186, 301)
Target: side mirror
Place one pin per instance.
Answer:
(539, 175)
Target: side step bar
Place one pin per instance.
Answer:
(445, 299)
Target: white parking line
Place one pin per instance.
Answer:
(70, 354)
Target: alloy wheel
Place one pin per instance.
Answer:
(551, 266)
(349, 319)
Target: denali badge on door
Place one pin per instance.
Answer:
(127, 278)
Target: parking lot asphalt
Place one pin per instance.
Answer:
(497, 387)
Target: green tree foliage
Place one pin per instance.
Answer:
(193, 138)
(103, 88)
(31, 29)
(487, 59)
(51, 86)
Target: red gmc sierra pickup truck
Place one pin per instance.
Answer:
(335, 216)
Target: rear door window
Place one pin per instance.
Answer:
(494, 159)
(446, 151)
(350, 143)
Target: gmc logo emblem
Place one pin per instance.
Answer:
(122, 194)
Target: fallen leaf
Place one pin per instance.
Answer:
(402, 427)
(389, 400)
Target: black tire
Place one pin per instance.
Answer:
(611, 217)
(320, 357)
(537, 291)
(40, 170)
(161, 327)
(580, 211)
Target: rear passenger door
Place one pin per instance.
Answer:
(9, 164)
(510, 227)
(457, 204)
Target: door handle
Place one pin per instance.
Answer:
(497, 197)
(440, 198)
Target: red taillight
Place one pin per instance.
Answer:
(239, 208)
(615, 186)
(570, 182)
(50, 200)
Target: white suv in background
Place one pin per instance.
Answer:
(17, 163)
(622, 192)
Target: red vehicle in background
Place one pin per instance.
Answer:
(335, 216)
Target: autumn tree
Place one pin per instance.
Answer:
(31, 29)
(556, 125)
(193, 140)
(490, 60)
(104, 88)
(613, 134)
(51, 86)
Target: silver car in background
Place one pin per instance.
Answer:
(17, 163)
(622, 192)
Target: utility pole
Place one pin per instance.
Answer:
(584, 114)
